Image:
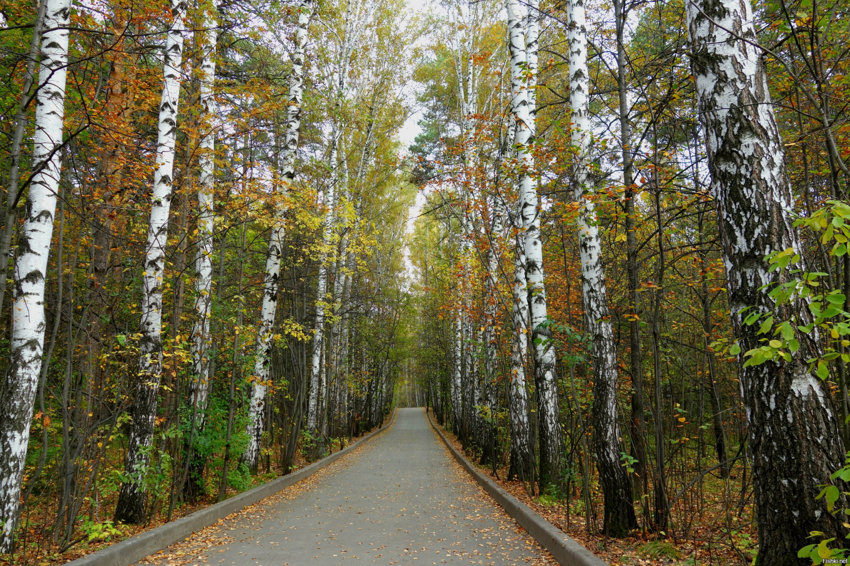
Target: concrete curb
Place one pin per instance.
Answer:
(137, 547)
(565, 550)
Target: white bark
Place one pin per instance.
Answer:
(356, 17)
(28, 321)
(532, 43)
(322, 300)
(619, 514)
(521, 457)
(15, 152)
(455, 383)
(489, 336)
(131, 500)
(793, 432)
(201, 339)
(272, 270)
(544, 352)
(521, 464)
(342, 282)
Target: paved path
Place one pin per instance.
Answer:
(400, 499)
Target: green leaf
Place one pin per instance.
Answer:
(836, 298)
(823, 369)
(824, 550)
(806, 551)
(122, 339)
(841, 209)
(831, 495)
(734, 349)
(842, 473)
(754, 357)
(827, 235)
(776, 344)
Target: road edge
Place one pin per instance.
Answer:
(135, 548)
(566, 550)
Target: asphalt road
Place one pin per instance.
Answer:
(399, 499)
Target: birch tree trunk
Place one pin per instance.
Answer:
(322, 300)
(356, 17)
(345, 267)
(616, 486)
(201, 338)
(271, 278)
(521, 459)
(17, 394)
(456, 384)
(490, 337)
(15, 153)
(544, 352)
(131, 500)
(794, 435)
(468, 93)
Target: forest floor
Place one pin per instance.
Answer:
(37, 548)
(707, 531)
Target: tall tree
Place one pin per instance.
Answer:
(271, 279)
(201, 338)
(629, 194)
(616, 486)
(794, 436)
(529, 214)
(131, 500)
(521, 458)
(16, 152)
(357, 15)
(28, 321)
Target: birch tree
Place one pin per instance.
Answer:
(616, 486)
(467, 77)
(356, 18)
(201, 338)
(16, 152)
(271, 279)
(794, 437)
(131, 500)
(28, 320)
(528, 214)
(521, 458)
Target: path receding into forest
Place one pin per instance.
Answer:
(400, 499)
